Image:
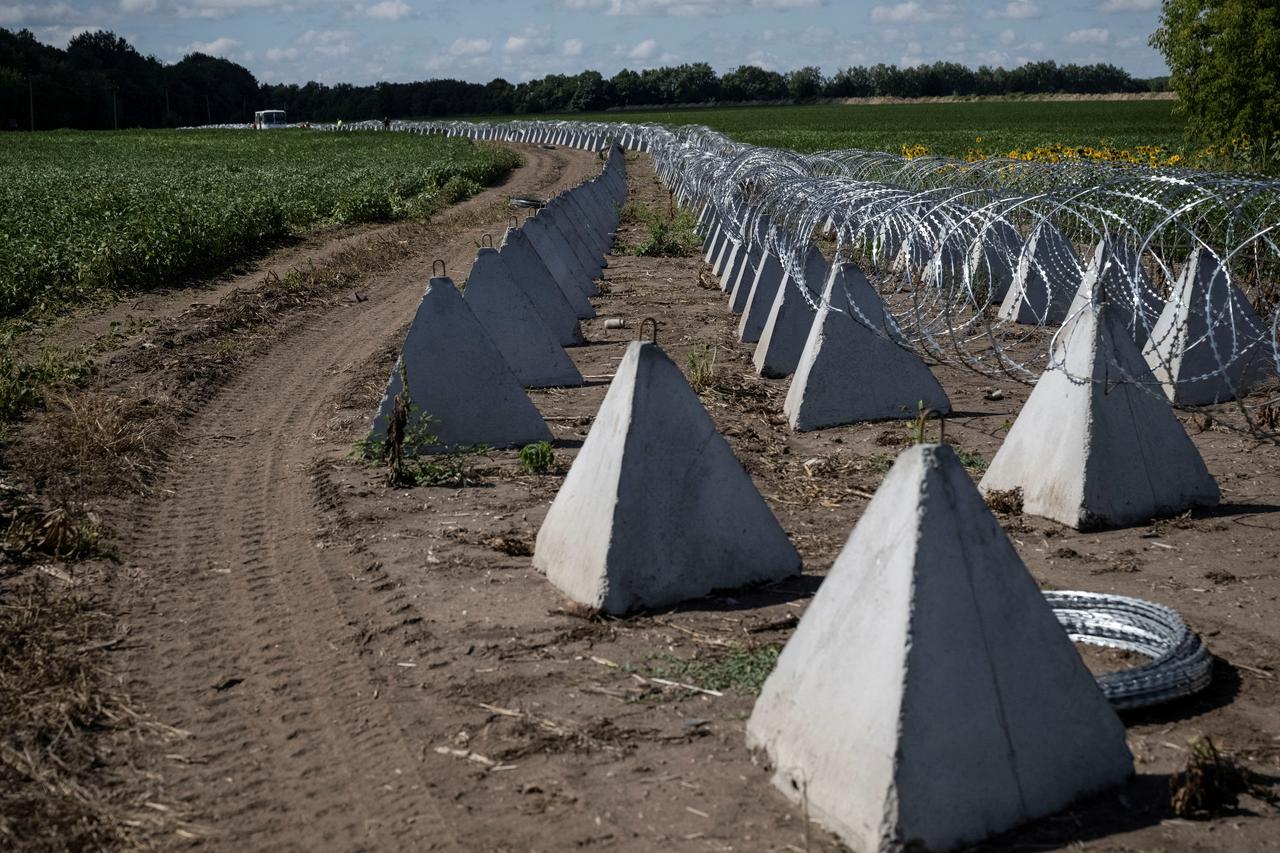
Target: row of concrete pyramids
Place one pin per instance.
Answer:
(928, 607)
(468, 356)
(1092, 446)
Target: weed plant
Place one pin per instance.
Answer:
(537, 458)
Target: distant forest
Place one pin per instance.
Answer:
(100, 81)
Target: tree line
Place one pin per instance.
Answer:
(101, 81)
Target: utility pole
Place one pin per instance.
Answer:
(31, 100)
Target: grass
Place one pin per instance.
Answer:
(702, 368)
(668, 236)
(84, 216)
(537, 458)
(743, 670)
(951, 128)
(24, 383)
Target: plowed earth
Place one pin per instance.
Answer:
(358, 667)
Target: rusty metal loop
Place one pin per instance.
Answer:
(925, 415)
(438, 262)
(646, 323)
(486, 241)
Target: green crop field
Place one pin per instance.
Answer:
(943, 128)
(85, 214)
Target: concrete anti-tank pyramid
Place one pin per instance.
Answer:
(523, 260)
(457, 376)
(1208, 345)
(515, 327)
(529, 274)
(656, 509)
(1047, 278)
(1095, 444)
(929, 696)
(849, 372)
(791, 316)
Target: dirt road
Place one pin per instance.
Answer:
(360, 667)
(250, 638)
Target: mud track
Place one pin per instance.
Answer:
(250, 636)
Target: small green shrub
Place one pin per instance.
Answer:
(23, 384)
(743, 670)
(537, 458)
(675, 237)
(702, 368)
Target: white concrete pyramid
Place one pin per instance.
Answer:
(790, 317)
(556, 254)
(1095, 444)
(457, 376)
(1208, 345)
(656, 509)
(522, 259)
(515, 327)
(764, 289)
(527, 271)
(1047, 278)
(1115, 274)
(851, 369)
(929, 698)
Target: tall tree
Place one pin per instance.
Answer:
(1222, 57)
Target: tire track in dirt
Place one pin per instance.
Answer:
(249, 632)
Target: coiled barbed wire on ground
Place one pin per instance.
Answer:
(1180, 664)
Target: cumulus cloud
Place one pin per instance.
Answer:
(327, 43)
(644, 50)
(138, 6)
(469, 47)
(1008, 37)
(213, 9)
(1128, 5)
(223, 46)
(389, 10)
(35, 14)
(1091, 35)
(282, 54)
(1018, 10)
(572, 47)
(530, 40)
(687, 8)
(912, 12)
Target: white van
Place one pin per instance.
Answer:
(268, 119)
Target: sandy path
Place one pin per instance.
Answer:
(244, 640)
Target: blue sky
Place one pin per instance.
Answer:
(363, 41)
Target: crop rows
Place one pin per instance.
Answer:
(87, 214)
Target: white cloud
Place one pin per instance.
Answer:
(469, 47)
(1092, 35)
(1018, 10)
(389, 10)
(35, 14)
(213, 9)
(912, 12)
(1128, 5)
(644, 50)
(282, 54)
(327, 43)
(138, 6)
(530, 40)
(686, 8)
(572, 47)
(1008, 37)
(218, 47)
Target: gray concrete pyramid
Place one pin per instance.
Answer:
(1208, 345)
(790, 317)
(1046, 280)
(515, 327)
(852, 368)
(1095, 444)
(656, 509)
(531, 276)
(457, 376)
(523, 260)
(928, 697)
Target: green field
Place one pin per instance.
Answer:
(948, 128)
(86, 214)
